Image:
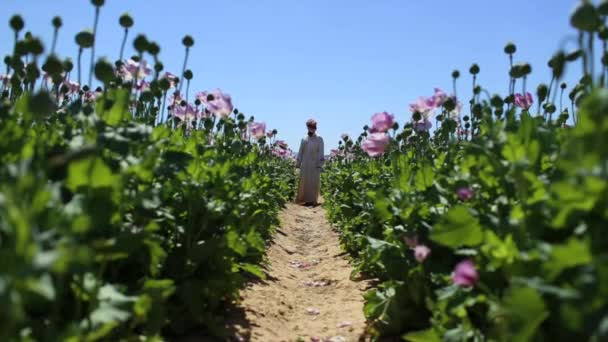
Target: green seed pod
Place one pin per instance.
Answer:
(104, 71)
(563, 85)
(140, 43)
(52, 65)
(188, 41)
(57, 22)
(164, 84)
(97, 3)
(153, 48)
(126, 21)
(510, 48)
(477, 90)
(85, 39)
(16, 23)
(7, 60)
(558, 63)
(68, 65)
(541, 91)
(158, 67)
(188, 74)
(455, 74)
(34, 46)
(449, 104)
(474, 69)
(416, 116)
(549, 108)
(585, 17)
(496, 101)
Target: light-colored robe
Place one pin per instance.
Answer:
(310, 159)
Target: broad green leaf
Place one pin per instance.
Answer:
(113, 107)
(424, 177)
(457, 228)
(91, 172)
(525, 311)
(573, 253)
(253, 269)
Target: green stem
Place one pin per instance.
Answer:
(92, 69)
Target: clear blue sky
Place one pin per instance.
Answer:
(339, 61)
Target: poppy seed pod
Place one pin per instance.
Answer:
(57, 22)
(158, 67)
(68, 65)
(126, 21)
(140, 43)
(563, 85)
(188, 41)
(98, 3)
(16, 23)
(455, 74)
(34, 46)
(188, 74)
(474, 69)
(496, 101)
(585, 17)
(542, 92)
(153, 48)
(52, 65)
(510, 48)
(104, 71)
(85, 39)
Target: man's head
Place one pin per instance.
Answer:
(311, 124)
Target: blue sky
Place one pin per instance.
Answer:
(338, 61)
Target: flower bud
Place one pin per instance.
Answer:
(68, 65)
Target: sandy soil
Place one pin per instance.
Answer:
(308, 295)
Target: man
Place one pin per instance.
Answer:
(310, 159)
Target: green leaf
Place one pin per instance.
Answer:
(573, 253)
(428, 335)
(526, 311)
(91, 172)
(113, 107)
(424, 177)
(253, 269)
(457, 228)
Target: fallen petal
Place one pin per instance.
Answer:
(344, 324)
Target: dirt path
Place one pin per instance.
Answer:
(308, 295)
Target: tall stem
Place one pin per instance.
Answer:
(184, 67)
(124, 42)
(55, 34)
(79, 62)
(92, 69)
